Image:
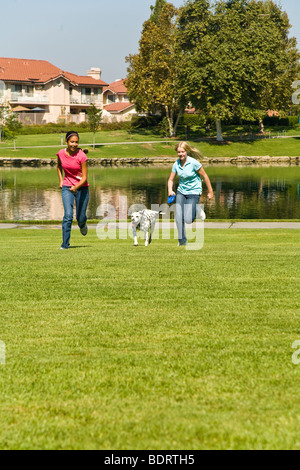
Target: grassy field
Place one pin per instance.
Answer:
(134, 145)
(110, 346)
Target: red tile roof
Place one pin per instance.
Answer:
(118, 107)
(39, 71)
(116, 87)
(83, 80)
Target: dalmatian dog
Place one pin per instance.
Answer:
(144, 220)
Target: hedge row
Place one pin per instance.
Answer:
(52, 128)
(144, 122)
(288, 121)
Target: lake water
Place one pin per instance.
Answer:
(240, 192)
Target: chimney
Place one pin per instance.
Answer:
(95, 73)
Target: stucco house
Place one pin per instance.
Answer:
(116, 104)
(41, 92)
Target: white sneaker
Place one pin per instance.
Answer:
(84, 230)
(200, 213)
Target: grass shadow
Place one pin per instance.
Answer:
(79, 246)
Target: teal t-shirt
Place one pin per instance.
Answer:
(189, 180)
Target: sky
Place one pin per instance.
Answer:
(76, 35)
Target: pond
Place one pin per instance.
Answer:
(240, 192)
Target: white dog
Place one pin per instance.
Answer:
(145, 221)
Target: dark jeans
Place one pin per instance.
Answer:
(186, 211)
(81, 199)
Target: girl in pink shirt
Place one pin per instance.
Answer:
(72, 161)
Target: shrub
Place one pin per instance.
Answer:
(115, 126)
(7, 134)
(193, 120)
(143, 122)
(274, 121)
(293, 120)
(53, 128)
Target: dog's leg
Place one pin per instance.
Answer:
(146, 238)
(152, 227)
(134, 237)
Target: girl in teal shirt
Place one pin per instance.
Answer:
(189, 170)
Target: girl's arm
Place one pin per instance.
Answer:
(60, 172)
(170, 183)
(210, 193)
(83, 179)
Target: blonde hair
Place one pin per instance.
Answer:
(191, 151)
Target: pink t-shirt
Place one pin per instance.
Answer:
(72, 167)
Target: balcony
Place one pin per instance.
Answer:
(84, 99)
(28, 98)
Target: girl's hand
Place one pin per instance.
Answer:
(171, 194)
(73, 189)
(210, 195)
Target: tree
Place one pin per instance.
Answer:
(237, 59)
(156, 10)
(13, 125)
(152, 73)
(3, 115)
(94, 120)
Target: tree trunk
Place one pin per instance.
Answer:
(219, 130)
(177, 121)
(170, 121)
(261, 127)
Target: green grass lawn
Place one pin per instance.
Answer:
(110, 346)
(134, 145)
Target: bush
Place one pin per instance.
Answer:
(163, 128)
(53, 128)
(116, 126)
(7, 134)
(191, 124)
(144, 122)
(293, 120)
(274, 121)
(193, 120)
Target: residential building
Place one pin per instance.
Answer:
(41, 92)
(116, 104)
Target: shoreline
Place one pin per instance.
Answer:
(156, 161)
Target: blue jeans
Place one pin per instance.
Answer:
(81, 199)
(186, 211)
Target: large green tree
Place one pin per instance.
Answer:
(152, 72)
(237, 58)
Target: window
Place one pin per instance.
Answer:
(111, 98)
(16, 88)
(29, 90)
(86, 95)
(86, 91)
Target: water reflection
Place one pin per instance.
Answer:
(240, 193)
